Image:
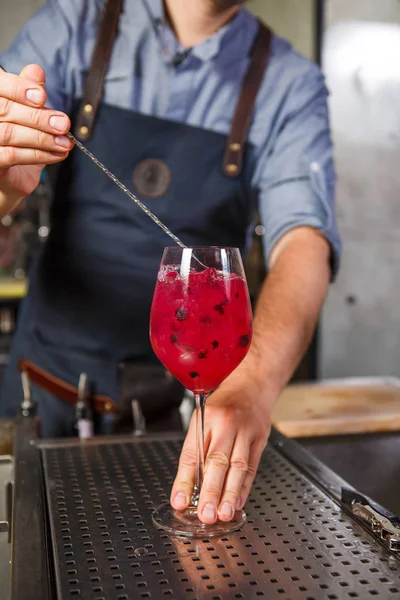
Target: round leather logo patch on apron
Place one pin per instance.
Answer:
(151, 178)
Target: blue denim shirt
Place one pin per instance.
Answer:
(293, 172)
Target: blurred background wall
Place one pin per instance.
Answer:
(14, 13)
(292, 19)
(361, 321)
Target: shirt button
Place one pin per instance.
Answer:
(315, 168)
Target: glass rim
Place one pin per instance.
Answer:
(202, 248)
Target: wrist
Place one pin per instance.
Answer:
(251, 387)
(8, 202)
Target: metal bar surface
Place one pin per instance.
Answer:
(30, 555)
(374, 465)
(318, 472)
(309, 465)
(297, 544)
(336, 487)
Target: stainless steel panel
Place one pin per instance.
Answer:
(361, 321)
(297, 544)
(6, 477)
(31, 577)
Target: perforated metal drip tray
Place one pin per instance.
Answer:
(297, 544)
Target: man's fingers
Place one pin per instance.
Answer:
(43, 119)
(234, 444)
(11, 156)
(185, 478)
(239, 468)
(217, 465)
(14, 107)
(17, 89)
(256, 450)
(34, 73)
(26, 137)
(182, 489)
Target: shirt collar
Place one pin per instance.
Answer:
(208, 49)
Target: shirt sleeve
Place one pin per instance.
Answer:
(296, 177)
(44, 40)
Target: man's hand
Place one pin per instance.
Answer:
(238, 413)
(236, 432)
(31, 136)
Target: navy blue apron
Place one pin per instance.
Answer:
(90, 292)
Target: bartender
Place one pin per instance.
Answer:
(208, 117)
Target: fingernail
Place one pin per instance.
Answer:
(227, 510)
(58, 123)
(180, 500)
(34, 96)
(209, 511)
(63, 141)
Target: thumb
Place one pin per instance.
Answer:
(34, 73)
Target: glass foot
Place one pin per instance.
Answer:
(185, 522)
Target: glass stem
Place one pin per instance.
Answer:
(200, 405)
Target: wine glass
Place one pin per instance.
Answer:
(200, 329)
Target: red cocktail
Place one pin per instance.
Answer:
(200, 329)
(200, 325)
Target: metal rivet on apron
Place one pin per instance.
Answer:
(231, 168)
(235, 147)
(88, 109)
(83, 130)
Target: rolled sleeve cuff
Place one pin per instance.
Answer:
(301, 203)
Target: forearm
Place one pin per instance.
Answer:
(286, 315)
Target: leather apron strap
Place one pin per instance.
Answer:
(260, 53)
(63, 390)
(100, 61)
